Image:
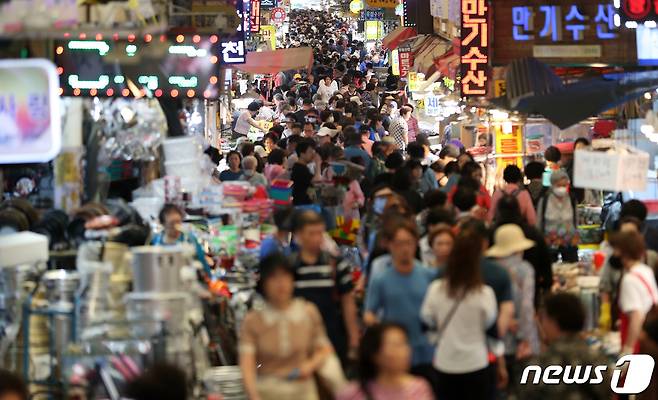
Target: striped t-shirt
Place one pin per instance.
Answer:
(323, 283)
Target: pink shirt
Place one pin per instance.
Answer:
(416, 389)
(524, 199)
(273, 171)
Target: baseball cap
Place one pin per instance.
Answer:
(388, 140)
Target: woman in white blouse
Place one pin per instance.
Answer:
(460, 308)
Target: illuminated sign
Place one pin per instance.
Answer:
(30, 127)
(374, 30)
(562, 23)
(474, 47)
(382, 3)
(267, 4)
(371, 15)
(633, 12)
(254, 16)
(144, 66)
(278, 15)
(356, 6)
(232, 48)
(233, 52)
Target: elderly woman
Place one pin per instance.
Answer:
(282, 345)
(556, 218)
(249, 174)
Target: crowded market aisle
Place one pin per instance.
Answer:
(335, 252)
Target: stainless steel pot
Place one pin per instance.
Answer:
(157, 269)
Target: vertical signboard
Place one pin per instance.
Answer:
(474, 47)
(406, 60)
(254, 16)
(233, 49)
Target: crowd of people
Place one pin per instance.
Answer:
(455, 294)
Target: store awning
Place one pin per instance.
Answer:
(448, 63)
(426, 51)
(397, 36)
(566, 105)
(272, 62)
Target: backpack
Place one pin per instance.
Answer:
(611, 210)
(512, 194)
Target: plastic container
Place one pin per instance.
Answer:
(185, 168)
(181, 148)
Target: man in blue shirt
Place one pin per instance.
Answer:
(279, 242)
(353, 147)
(396, 294)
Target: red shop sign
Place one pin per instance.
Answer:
(406, 58)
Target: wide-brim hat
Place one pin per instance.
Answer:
(509, 239)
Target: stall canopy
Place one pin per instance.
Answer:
(397, 36)
(271, 62)
(532, 88)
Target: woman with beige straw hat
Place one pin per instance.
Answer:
(522, 340)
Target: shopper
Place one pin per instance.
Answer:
(12, 387)
(159, 382)
(460, 308)
(637, 291)
(302, 178)
(171, 217)
(428, 181)
(509, 212)
(280, 364)
(557, 216)
(396, 293)
(234, 172)
(399, 129)
(279, 241)
(522, 341)
(514, 188)
(534, 172)
(246, 121)
(441, 239)
(326, 281)
(384, 362)
(636, 208)
(561, 321)
(274, 169)
(249, 174)
(354, 147)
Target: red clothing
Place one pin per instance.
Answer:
(483, 198)
(522, 196)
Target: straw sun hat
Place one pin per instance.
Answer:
(509, 239)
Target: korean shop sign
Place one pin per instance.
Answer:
(474, 47)
(560, 32)
(406, 60)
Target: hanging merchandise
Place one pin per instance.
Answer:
(129, 129)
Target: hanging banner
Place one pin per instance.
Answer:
(374, 30)
(432, 105)
(269, 35)
(382, 3)
(474, 47)
(611, 171)
(406, 60)
(254, 16)
(278, 15)
(30, 127)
